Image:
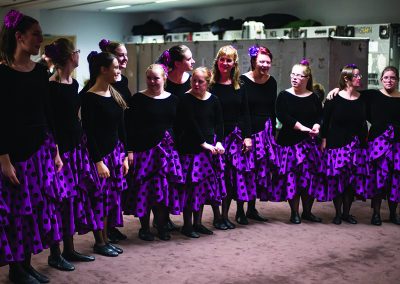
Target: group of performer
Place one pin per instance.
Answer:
(74, 162)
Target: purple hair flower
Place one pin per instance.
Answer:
(165, 69)
(104, 43)
(166, 58)
(12, 19)
(352, 65)
(305, 62)
(253, 50)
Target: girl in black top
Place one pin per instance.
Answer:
(239, 163)
(260, 88)
(300, 111)
(155, 163)
(76, 181)
(200, 116)
(103, 123)
(29, 157)
(344, 133)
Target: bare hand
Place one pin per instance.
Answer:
(102, 170)
(332, 94)
(210, 148)
(9, 171)
(130, 158)
(220, 149)
(126, 166)
(247, 145)
(314, 131)
(58, 162)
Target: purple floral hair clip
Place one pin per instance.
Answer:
(253, 50)
(12, 19)
(104, 43)
(305, 62)
(166, 58)
(351, 66)
(165, 69)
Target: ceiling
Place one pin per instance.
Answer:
(102, 5)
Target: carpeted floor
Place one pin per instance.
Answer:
(273, 252)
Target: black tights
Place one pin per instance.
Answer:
(344, 200)
(376, 205)
(161, 218)
(306, 200)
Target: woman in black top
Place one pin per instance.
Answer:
(200, 118)
(156, 168)
(103, 123)
(260, 88)
(76, 181)
(344, 134)
(300, 111)
(239, 163)
(29, 157)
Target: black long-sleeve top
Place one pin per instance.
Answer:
(178, 90)
(25, 113)
(147, 119)
(121, 86)
(200, 121)
(261, 99)
(382, 111)
(235, 108)
(291, 109)
(343, 120)
(66, 101)
(103, 123)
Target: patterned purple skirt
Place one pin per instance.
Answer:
(394, 190)
(299, 164)
(380, 163)
(204, 180)
(154, 180)
(33, 222)
(240, 173)
(343, 167)
(110, 189)
(77, 184)
(266, 159)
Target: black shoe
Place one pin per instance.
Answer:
(394, 218)
(202, 230)
(337, 220)
(241, 219)
(114, 235)
(229, 224)
(60, 263)
(41, 278)
(190, 233)
(253, 214)
(220, 225)
(145, 235)
(23, 278)
(171, 226)
(117, 249)
(163, 235)
(349, 219)
(376, 219)
(104, 250)
(295, 218)
(76, 256)
(311, 217)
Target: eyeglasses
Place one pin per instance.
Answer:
(357, 76)
(295, 75)
(391, 78)
(76, 51)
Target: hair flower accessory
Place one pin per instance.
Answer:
(166, 58)
(305, 62)
(352, 65)
(165, 69)
(104, 43)
(253, 50)
(12, 19)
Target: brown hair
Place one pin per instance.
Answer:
(391, 68)
(346, 74)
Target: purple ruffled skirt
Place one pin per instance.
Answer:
(343, 167)
(80, 205)
(240, 173)
(394, 190)
(31, 221)
(110, 189)
(299, 164)
(264, 151)
(154, 179)
(204, 180)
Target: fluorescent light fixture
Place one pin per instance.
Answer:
(118, 7)
(164, 1)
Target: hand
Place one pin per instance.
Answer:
(305, 129)
(332, 94)
(130, 158)
(220, 149)
(8, 170)
(210, 148)
(58, 162)
(102, 170)
(247, 145)
(323, 145)
(126, 166)
(315, 130)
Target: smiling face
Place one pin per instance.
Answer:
(112, 73)
(122, 56)
(262, 64)
(155, 79)
(225, 64)
(30, 40)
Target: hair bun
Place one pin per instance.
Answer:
(92, 55)
(103, 44)
(305, 62)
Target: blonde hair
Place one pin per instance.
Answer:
(228, 51)
(155, 66)
(205, 71)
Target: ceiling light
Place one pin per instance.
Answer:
(163, 1)
(118, 7)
